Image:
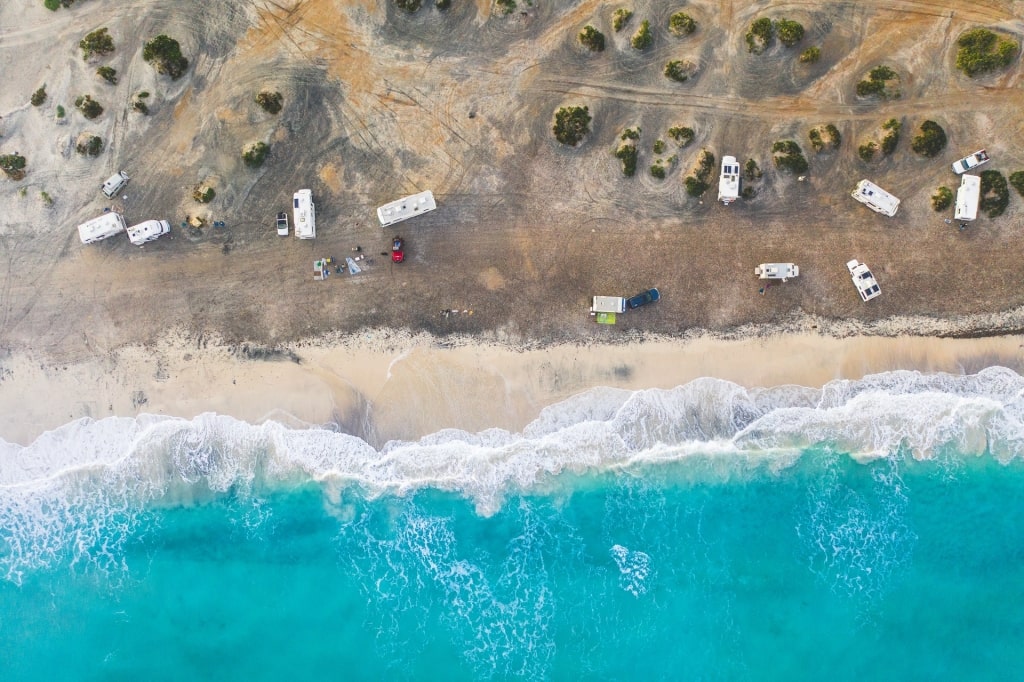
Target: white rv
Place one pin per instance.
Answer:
(875, 198)
(148, 231)
(608, 304)
(405, 208)
(304, 211)
(107, 225)
(729, 181)
(781, 271)
(968, 197)
(115, 183)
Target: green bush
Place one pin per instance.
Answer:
(443, 4)
(659, 147)
(38, 97)
(627, 153)
(107, 73)
(677, 70)
(681, 24)
(98, 42)
(410, 6)
(790, 32)
(507, 6)
(89, 107)
(694, 187)
(571, 124)
(13, 165)
(835, 139)
(751, 171)
(942, 199)
(630, 134)
(45, 196)
(788, 156)
(165, 55)
(930, 141)
(810, 55)
(90, 145)
(203, 194)
(140, 106)
(143, 94)
(891, 137)
(255, 154)
(60, 111)
(271, 102)
(982, 51)
(995, 194)
(760, 35)
(705, 165)
(882, 73)
(592, 39)
(52, 5)
(816, 142)
(1017, 181)
(642, 39)
(866, 151)
(620, 18)
(657, 170)
(877, 83)
(681, 134)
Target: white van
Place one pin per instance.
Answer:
(115, 183)
(107, 225)
(147, 231)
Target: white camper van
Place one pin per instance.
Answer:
(107, 225)
(147, 231)
(115, 183)
(304, 211)
(875, 198)
(405, 208)
(608, 304)
(968, 197)
(729, 181)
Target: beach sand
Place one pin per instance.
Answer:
(387, 386)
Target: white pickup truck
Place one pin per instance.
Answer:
(971, 161)
(865, 282)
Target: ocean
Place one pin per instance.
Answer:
(870, 529)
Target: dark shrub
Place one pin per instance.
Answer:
(108, 74)
(810, 55)
(271, 102)
(89, 107)
(1017, 181)
(982, 51)
(930, 141)
(255, 154)
(165, 55)
(13, 165)
(790, 32)
(627, 153)
(98, 42)
(789, 156)
(942, 199)
(571, 124)
(760, 35)
(681, 24)
(642, 39)
(681, 134)
(90, 145)
(620, 18)
(592, 39)
(995, 194)
(38, 97)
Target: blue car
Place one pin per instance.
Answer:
(649, 296)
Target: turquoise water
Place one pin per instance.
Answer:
(708, 532)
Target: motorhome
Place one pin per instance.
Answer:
(729, 181)
(405, 208)
(304, 211)
(968, 197)
(781, 271)
(867, 285)
(107, 225)
(608, 304)
(115, 183)
(148, 231)
(875, 198)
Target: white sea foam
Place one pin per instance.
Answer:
(60, 492)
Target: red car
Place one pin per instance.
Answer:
(397, 254)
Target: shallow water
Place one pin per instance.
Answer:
(707, 532)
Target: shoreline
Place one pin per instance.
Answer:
(390, 385)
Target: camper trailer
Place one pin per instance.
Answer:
(968, 197)
(875, 198)
(304, 211)
(781, 271)
(405, 208)
(608, 304)
(107, 225)
(148, 231)
(729, 181)
(115, 183)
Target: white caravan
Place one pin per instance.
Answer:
(115, 183)
(148, 231)
(405, 208)
(968, 197)
(875, 198)
(304, 211)
(781, 271)
(107, 225)
(608, 304)
(729, 181)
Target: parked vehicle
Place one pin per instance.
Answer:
(115, 183)
(729, 180)
(781, 271)
(968, 197)
(875, 198)
(405, 208)
(282, 224)
(107, 225)
(397, 250)
(971, 161)
(865, 282)
(649, 296)
(305, 214)
(148, 231)
(608, 304)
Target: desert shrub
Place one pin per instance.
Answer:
(1017, 181)
(60, 111)
(810, 55)
(627, 154)
(866, 151)
(46, 198)
(90, 145)
(751, 171)
(705, 164)
(642, 39)
(748, 192)
(788, 156)
(681, 134)
(620, 18)
(38, 97)
(760, 35)
(507, 6)
(678, 70)
(681, 24)
(982, 51)
(143, 94)
(694, 187)
(98, 42)
(630, 134)
(52, 5)
(13, 165)
(930, 141)
(255, 154)
(882, 73)
(881, 81)
(816, 142)
(835, 139)
(89, 107)
(592, 39)
(140, 106)
(659, 147)
(409, 6)
(571, 124)
(203, 194)
(995, 194)
(891, 137)
(658, 170)
(107, 73)
(790, 32)
(942, 199)
(269, 101)
(443, 4)
(165, 55)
